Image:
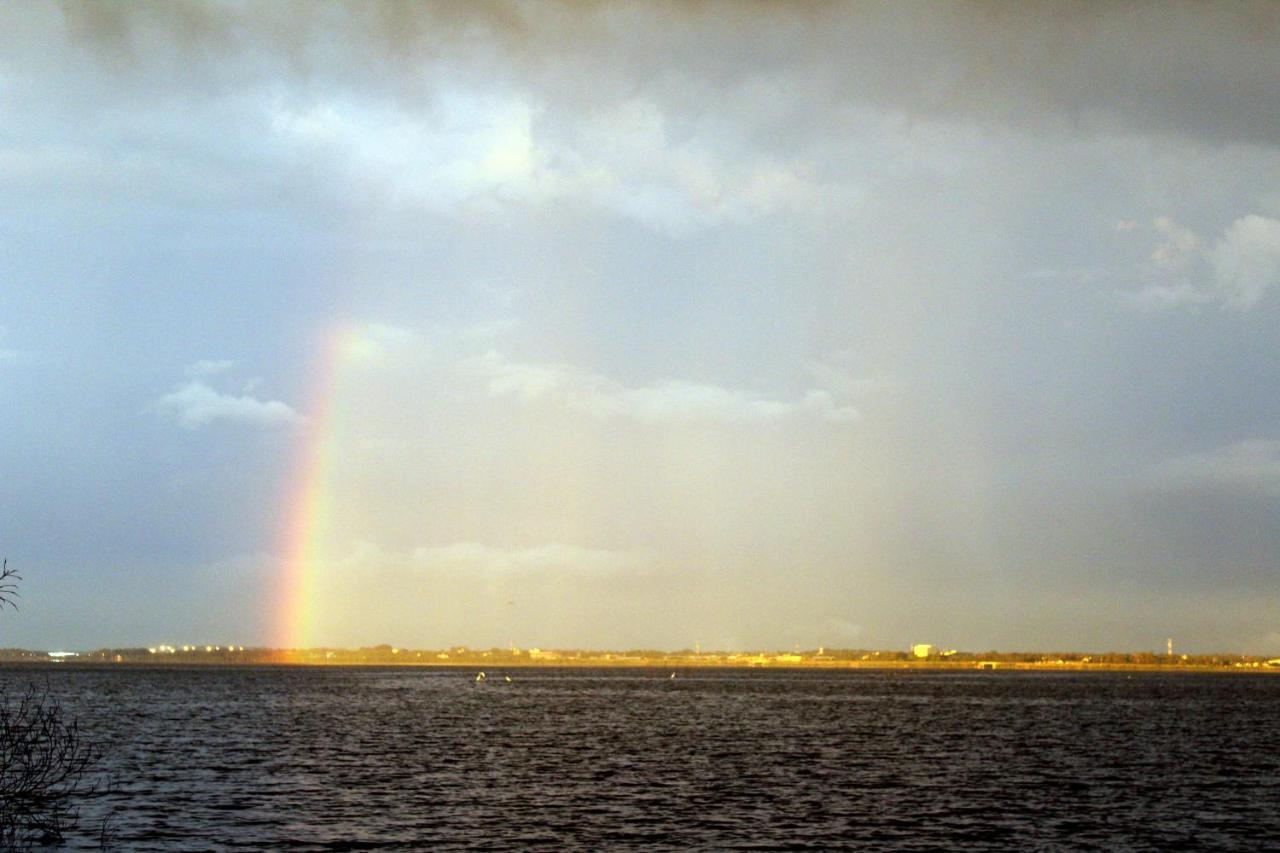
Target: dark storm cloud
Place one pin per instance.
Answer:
(1200, 70)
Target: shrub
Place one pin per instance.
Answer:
(45, 770)
(47, 767)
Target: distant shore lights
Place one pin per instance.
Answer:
(309, 501)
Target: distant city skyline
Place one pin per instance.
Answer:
(619, 326)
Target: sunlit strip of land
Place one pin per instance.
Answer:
(918, 657)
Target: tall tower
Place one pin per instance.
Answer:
(1169, 646)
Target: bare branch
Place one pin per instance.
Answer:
(8, 586)
(47, 768)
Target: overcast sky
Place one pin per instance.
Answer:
(742, 324)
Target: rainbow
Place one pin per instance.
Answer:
(310, 501)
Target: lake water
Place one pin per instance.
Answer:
(266, 758)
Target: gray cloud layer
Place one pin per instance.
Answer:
(1166, 67)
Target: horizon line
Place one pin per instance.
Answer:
(821, 651)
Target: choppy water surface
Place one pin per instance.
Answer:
(264, 758)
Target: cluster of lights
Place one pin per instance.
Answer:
(173, 650)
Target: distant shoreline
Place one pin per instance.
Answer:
(674, 665)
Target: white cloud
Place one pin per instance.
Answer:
(208, 367)
(627, 159)
(1172, 295)
(483, 155)
(664, 402)
(1246, 260)
(195, 404)
(676, 400)
(374, 344)
(835, 375)
(1177, 247)
(1235, 274)
(1252, 465)
(383, 345)
(470, 153)
(552, 557)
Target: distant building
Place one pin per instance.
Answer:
(923, 650)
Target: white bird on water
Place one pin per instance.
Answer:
(480, 677)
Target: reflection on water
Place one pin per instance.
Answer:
(412, 758)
